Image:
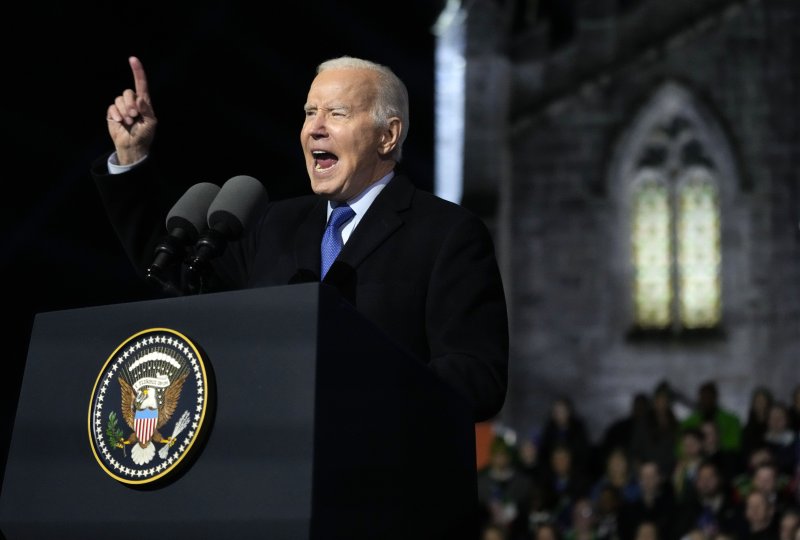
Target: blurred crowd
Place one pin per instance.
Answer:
(671, 468)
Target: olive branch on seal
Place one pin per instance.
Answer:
(113, 431)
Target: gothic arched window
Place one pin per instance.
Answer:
(672, 182)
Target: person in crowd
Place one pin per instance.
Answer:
(656, 503)
(647, 530)
(775, 485)
(689, 459)
(618, 473)
(563, 485)
(540, 510)
(620, 433)
(781, 439)
(759, 518)
(711, 510)
(789, 523)
(742, 483)
(657, 439)
(583, 522)
(565, 426)
(708, 407)
(504, 492)
(761, 399)
(607, 508)
(728, 463)
(530, 457)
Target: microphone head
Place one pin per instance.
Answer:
(235, 206)
(189, 213)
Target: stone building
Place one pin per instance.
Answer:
(639, 163)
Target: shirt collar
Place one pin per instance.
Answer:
(361, 202)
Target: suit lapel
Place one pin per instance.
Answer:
(308, 239)
(380, 221)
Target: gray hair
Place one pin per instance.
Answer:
(391, 99)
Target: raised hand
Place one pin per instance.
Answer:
(131, 120)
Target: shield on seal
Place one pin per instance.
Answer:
(144, 423)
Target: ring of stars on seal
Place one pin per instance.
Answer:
(148, 406)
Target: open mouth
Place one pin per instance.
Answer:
(324, 160)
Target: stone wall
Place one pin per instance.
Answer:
(543, 131)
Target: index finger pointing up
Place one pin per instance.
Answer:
(139, 77)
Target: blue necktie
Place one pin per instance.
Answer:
(332, 239)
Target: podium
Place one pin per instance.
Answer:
(322, 428)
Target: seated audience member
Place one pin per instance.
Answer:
(657, 440)
(711, 510)
(761, 400)
(647, 530)
(619, 474)
(607, 508)
(530, 457)
(742, 483)
(503, 491)
(690, 455)
(728, 463)
(565, 427)
(656, 503)
(774, 485)
(709, 408)
(582, 525)
(563, 485)
(759, 518)
(622, 432)
(789, 523)
(781, 439)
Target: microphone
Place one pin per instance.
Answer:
(184, 222)
(230, 214)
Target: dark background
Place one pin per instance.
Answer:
(228, 81)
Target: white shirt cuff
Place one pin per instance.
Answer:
(115, 168)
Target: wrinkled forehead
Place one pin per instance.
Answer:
(351, 88)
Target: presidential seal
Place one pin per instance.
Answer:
(148, 406)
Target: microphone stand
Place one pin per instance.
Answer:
(168, 249)
(199, 274)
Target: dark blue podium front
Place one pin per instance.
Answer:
(322, 428)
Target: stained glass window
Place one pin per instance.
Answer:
(675, 232)
(698, 253)
(652, 251)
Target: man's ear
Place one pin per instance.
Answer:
(390, 136)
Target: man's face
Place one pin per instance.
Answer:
(649, 477)
(707, 482)
(344, 150)
(764, 479)
(757, 509)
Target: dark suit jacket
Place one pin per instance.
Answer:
(422, 269)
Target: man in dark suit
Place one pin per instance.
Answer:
(422, 269)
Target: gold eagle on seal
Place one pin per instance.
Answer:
(147, 406)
